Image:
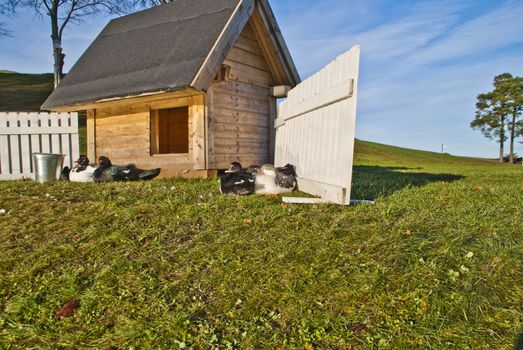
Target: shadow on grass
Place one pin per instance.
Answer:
(369, 182)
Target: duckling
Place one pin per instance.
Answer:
(236, 181)
(107, 172)
(83, 171)
(275, 181)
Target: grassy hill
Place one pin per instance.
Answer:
(23, 92)
(435, 263)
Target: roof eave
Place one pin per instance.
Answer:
(230, 33)
(129, 98)
(279, 42)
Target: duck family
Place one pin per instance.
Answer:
(105, 171)
(266, 180)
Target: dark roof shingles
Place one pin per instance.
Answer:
(154, 50)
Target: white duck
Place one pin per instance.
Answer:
(83, 171)
(266, 181)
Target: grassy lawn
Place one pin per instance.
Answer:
(24, 92)
(436, 263)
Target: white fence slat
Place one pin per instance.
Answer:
(22, 134)
(25, 146)
(66, 149)
(4, 146)
(316, 129)
(55, 139)
(34, 120)
(65, 139)
(45, 136)
(14, 144)
(75, 139)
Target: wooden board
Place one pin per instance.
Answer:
(316, 128)
(268, 34)
(121, 136)
(173, 127)
(229, 35)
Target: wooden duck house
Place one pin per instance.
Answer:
(189, 86)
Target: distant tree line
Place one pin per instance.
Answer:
(498, 113)
(61, 13)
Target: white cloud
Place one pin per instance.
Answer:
(492, 31)
(421, 70)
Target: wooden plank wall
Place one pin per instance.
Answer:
(22, 134)
(123, 133)
(239, 120)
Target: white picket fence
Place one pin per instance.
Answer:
(315, 129)
(22, 134)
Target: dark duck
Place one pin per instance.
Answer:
(286, 177)
(236, 181)
(107, 172)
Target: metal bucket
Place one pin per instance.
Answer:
(47, 167)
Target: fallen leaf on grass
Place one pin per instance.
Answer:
(408, 232)
(357, 327)
(247, 221)
(68, 309)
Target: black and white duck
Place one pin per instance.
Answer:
(272, 180)
(107, 172)
(236, 181)
(82, 171)
(286, 177)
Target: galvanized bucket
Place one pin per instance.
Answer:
(47, 166)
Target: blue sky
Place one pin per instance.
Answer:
(423, 62)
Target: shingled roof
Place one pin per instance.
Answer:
(160, 49)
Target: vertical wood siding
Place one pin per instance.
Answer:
(316, 129)
(22, 134)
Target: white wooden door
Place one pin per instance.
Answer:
(315, 129)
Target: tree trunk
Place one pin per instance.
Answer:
(502, 140)
(512, 135)
(57, 46)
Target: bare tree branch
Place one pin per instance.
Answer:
(63, 12)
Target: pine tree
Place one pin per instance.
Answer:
(498, 112)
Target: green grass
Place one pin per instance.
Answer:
(82, 135)
(172, 263)
(24, 92)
